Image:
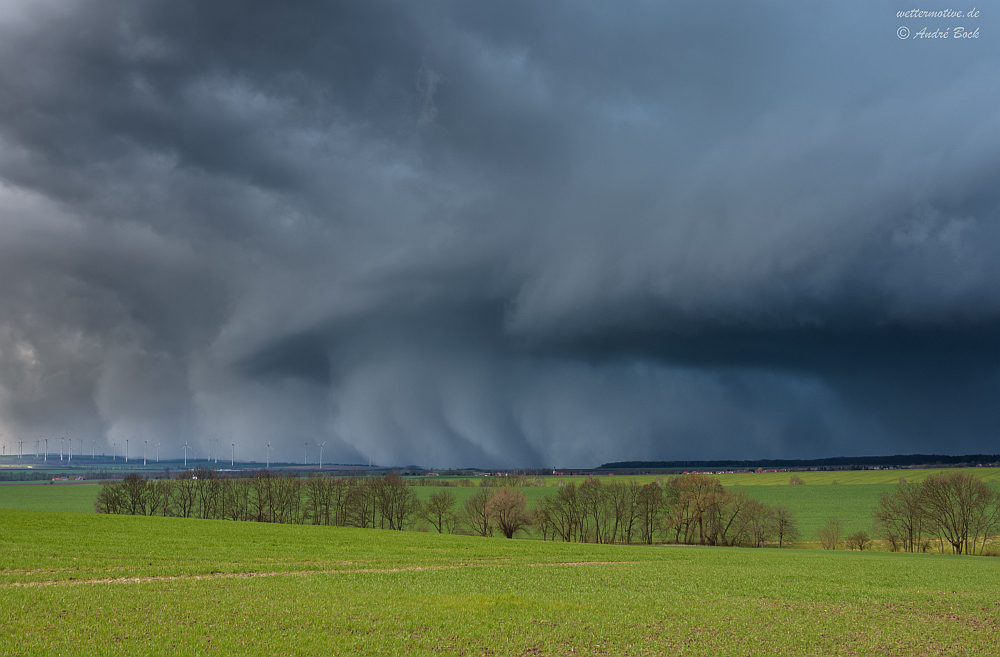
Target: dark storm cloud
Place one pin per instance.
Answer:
(504, 234)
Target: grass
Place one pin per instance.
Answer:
(852, 500)
(813, 505)
(848, 477)
(90, 584)
(77, 498)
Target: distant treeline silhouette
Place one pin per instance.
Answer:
(836, 461)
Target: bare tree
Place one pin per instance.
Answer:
(319, 500)
(829, 533)
(651, 502)
(508, 510)
(110, 499)
(961, 508)
(695, 508)
(899, 517)
(597, 509)
(438, 510)
(361, 503)
(184, 495)
(756, 524)
(563, 513)
(625, 502)
(477, 512)
(394, 501)
(785, 527)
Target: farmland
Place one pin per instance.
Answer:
(851, 499)
(812, 504)
(123, 585)
(78, 498)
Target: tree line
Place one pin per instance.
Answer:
(692, 509)
(957, 509)
(689, 509)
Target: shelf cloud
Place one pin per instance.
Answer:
(521, 234)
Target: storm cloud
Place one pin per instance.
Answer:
(499, 234)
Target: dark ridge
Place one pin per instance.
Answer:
(836, 461)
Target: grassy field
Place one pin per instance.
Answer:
(78, 498)
(852, 500)
(114, 585)
(849, 477)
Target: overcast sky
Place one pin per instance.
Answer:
(540, 233)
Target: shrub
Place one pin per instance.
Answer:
(859, 540)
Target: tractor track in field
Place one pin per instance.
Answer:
(327, 571)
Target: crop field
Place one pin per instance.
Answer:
(813, 505)
(825, 478)
(77, 498)
(851, 500)
(126, 585)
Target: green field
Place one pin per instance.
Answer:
(124, 585)
(78, 498)
(852, 500)
(851, 477)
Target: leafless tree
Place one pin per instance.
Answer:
(829, 533)
(596, 508)
(785, 527)
(651, 502)
(961, 509)
(899, 517)
(508, 510)
(110, 499)
(477, 512)
(438, 510)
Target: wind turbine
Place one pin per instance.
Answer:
(232, 463)
(20, 444)
(145, 444)
(93, 449)
(216, 450)
(185, 454)
(268, 461)
(114, 450)
(62, 441)
(321, 454)
(305, 451)
(36, 449)
(70, 452)
(46, 459)
(157, 452)
(126, 450)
